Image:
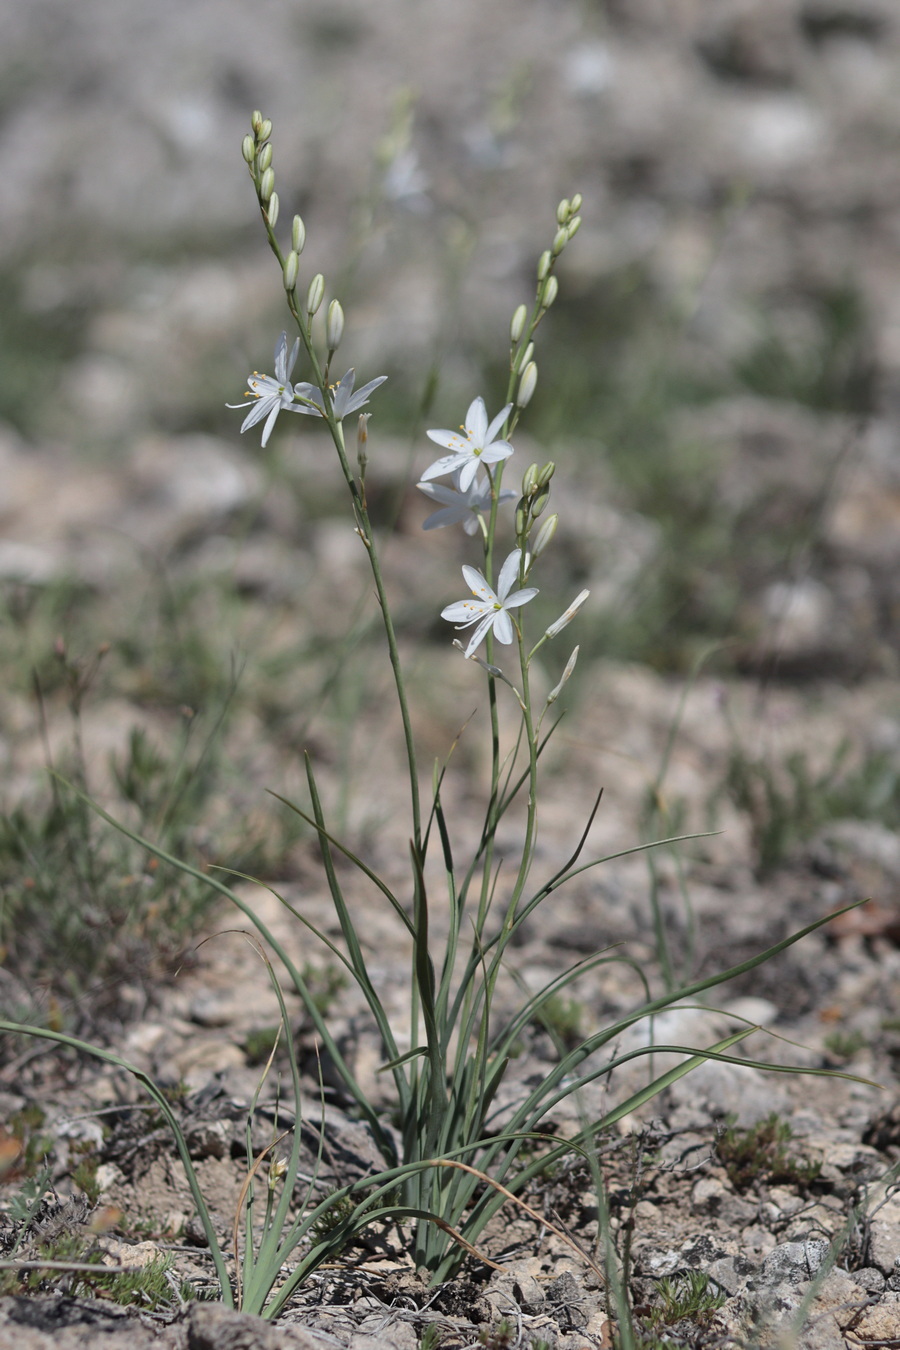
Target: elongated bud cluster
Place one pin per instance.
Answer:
(517, 326)
(334, 327)
(298, 234)
(527, 385)
(291, 271)
(316, 294)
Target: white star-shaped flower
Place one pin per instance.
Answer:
(270, 396)
(459, 507)
(489, 609)
(471, 446)
(343, 398)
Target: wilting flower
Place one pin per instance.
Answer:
(565, 619)
(269, 396)
(343, 399)
(460, 507)
(489, 609)
(472, 445)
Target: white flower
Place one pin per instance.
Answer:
(343, 398)
(270, 396)
(476, 445)
(490, 610)
(460, 507)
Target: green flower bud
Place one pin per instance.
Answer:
(316, 293)
(256, 119)
(527, 385)
(545, 534)
(248, 148)
(265, 157)
(544, 264)
(521, 519)
(291, 271)
(265, 129)
(576, 202)
(267, 184)
(272, 210)
(362, 440)
(298, 234)
(560, 240)
(334, 327)
(550, 292)
(563, 210)
(529, 480)
(526, 356)
(545, 474)
(539, 504)
(573, 226)
(517, 327)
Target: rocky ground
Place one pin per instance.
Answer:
(720, 386)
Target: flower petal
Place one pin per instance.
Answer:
(503, 629)
(481, 631)
(497, 423)
(476, 421)
(509, 573)
(478, 585)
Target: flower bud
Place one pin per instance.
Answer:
(265, 129)
(316, 293)
(549, 292)
(334, 327)
(545, 474)
(291, 271)
(540, 503)
(248, 148)
(545, 534)
(570, 666)
(256, 119)
(576, 202)
(526, 356)
(527, 385)
(560, 240)
(298, 234)
(267, 184)
(544, 263)
(573, 226)
(569, 615)
(272, 209)
(529, 480)
(517, 327)
(521, 518)
(265, 157)
(362, 439)
(563, 210)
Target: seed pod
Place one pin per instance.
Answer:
(298, 234)
(517, 326)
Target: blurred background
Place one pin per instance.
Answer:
(719, 378)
